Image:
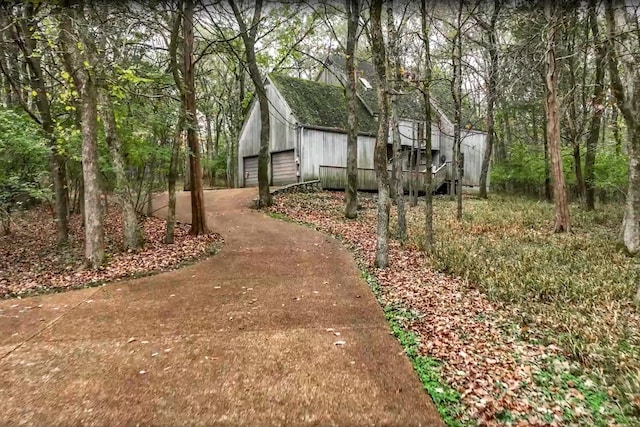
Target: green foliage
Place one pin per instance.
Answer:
(446, 399)
(563, 380)
(23, 160)
(525, 169)
(578, 287)
(612, 170)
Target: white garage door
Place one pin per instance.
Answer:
(251, 171)
(283, 168)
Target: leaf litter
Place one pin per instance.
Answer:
(500, 378)
(32, 262)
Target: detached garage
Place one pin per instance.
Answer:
(250, 171)
(283, 168)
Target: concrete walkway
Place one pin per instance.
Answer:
(245, 338)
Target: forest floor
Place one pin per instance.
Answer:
(31, 261)
(507, 323)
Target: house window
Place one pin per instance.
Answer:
(365, 83)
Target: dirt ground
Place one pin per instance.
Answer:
(276, 329)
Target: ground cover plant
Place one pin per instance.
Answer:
(519, 326)
(32, 262)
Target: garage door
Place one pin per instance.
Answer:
(251, 171)
(283, 168)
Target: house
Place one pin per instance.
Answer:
(308, 133)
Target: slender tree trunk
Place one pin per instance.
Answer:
(429, 238)
(615, 129)
(198, 217)
(380, 154)
(562, 223)
(249, 35)
(394, 68)
(572, 111)
(83, 63)
(210, 171)
(456, 91)
(628, 101)
(351, 190)
(57, 159)
(548, 186)
(492, 88)
(631, 222)
(5, 73)
(419, 183)
(171, 178)
(577, 168)
(132, 233)
(411, 157)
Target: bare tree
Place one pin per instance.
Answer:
(249, 34)
(562, 223)
(351, 190)
(394, 69)
(198, 218)
(597, 107)
(177, 136)
(492, 87)
(456, 93)
(380, 154)
(426, 96)
(78, 52)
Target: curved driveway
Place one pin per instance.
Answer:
(276, 329)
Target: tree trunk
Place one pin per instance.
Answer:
(418, 182)
(574, 130)
(429, 238)
(631, 222)
(198, 217)
(615, 129)
(78, 53)
(57, 159)
(628, 101)
(132, 233)
(171, 178)
(562, 223)
(380, 154)
(492, 87)
(456, 92)
(351, 190)
(249, 38)
(5, 75)
(394, 68)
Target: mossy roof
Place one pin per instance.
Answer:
(319, 104)
(410, 102)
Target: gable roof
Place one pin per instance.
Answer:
(410, 103)
(317, 104)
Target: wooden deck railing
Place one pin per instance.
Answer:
(335, 177)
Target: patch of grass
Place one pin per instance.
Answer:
(574, 290)
(563, 382)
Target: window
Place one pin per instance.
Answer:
(365, 83)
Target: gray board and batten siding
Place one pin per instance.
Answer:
(308, 132)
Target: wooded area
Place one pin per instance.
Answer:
(108, 103)
(130, 99)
